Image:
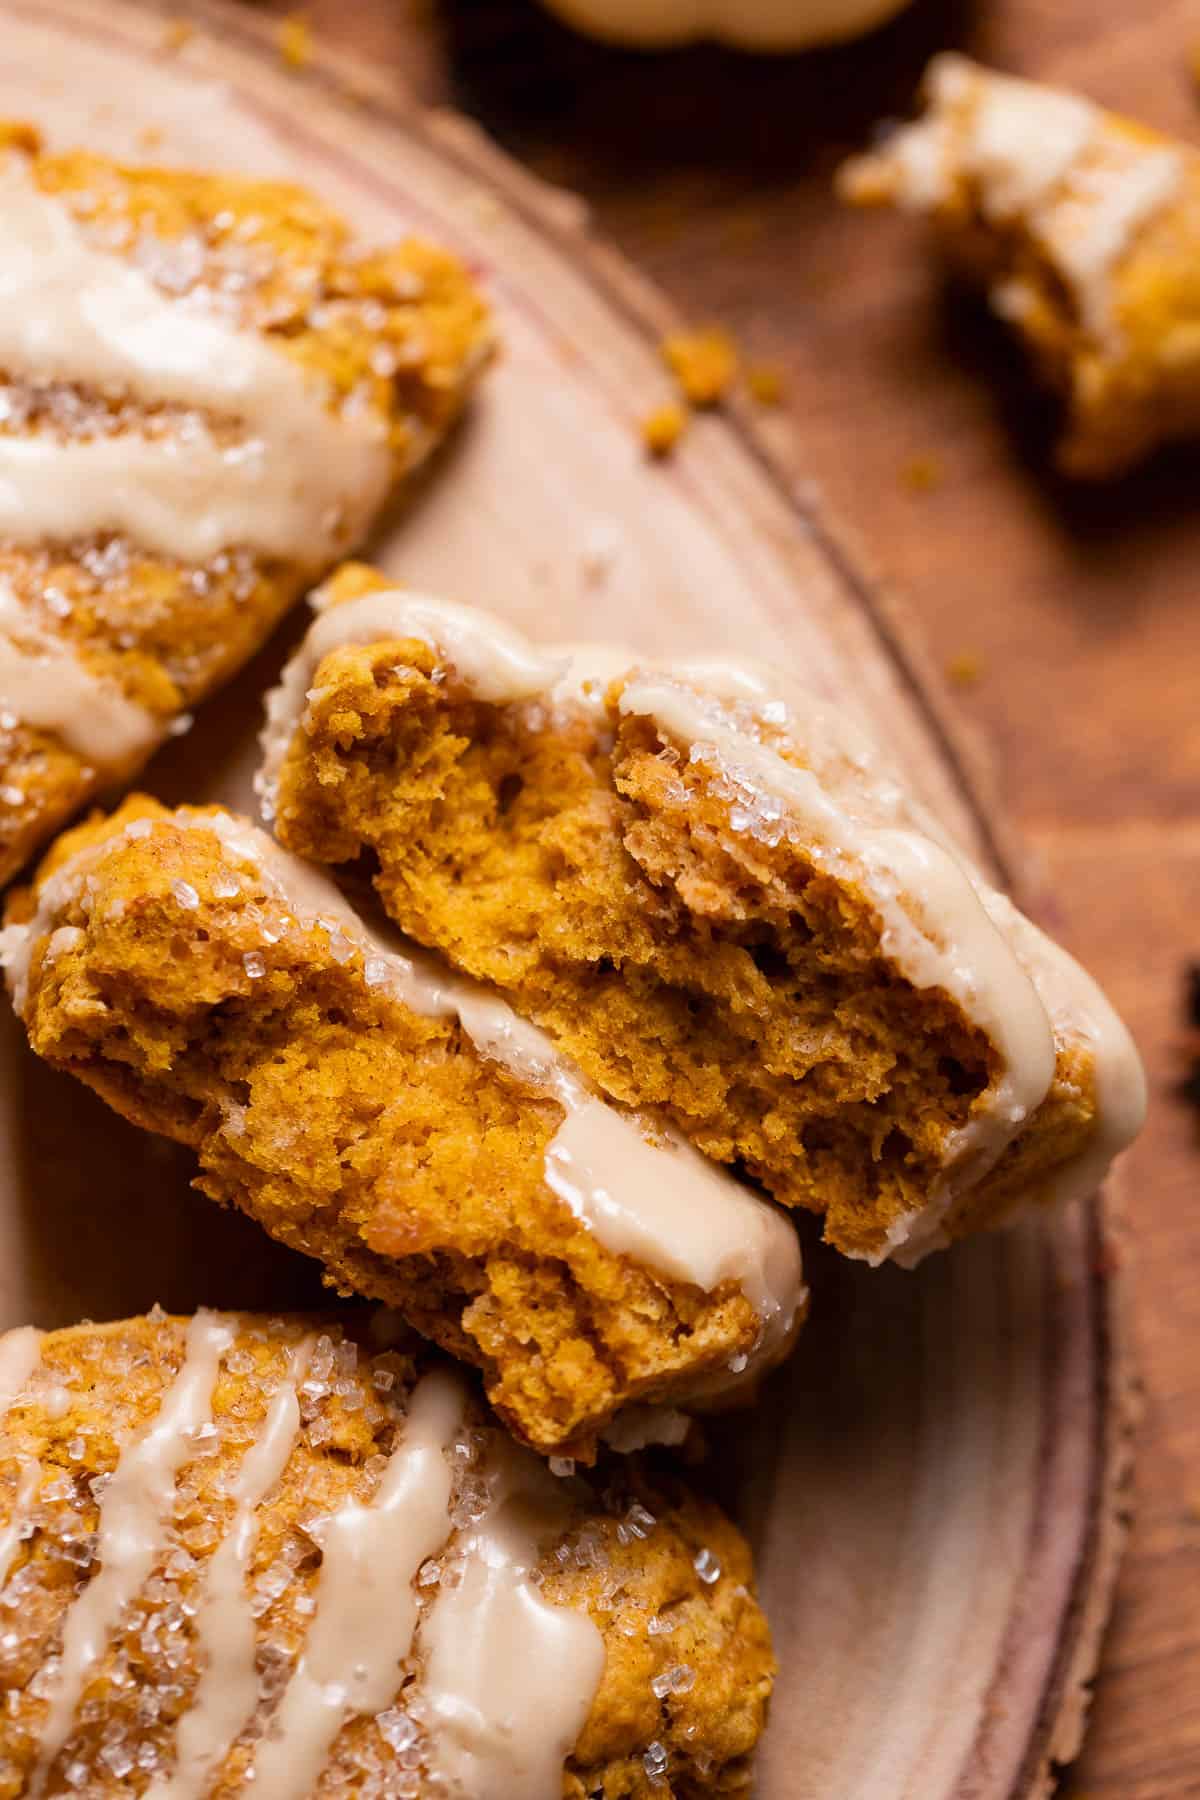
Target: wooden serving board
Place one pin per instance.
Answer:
(934, 1483)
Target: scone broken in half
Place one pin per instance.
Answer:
(1084, 230)
(720, 902)
(404, 1127)
(270, 1556)
(206, 396)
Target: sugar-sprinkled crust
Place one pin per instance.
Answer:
(352, 1102)
(297, 339)
(195, 1493)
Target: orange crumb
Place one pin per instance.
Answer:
(150, 137)
(965, 669)
(177, 33)
(663, 428)
(765, 383)
(295, 41)
(921, 474)
(15, 136)
(702, 362)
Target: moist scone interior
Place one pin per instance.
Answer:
(364, 1134)
(667, 928)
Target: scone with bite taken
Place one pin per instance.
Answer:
(207, 395)
(1082, 227)
(718, 899)
(402, 1125)
(288, 1557)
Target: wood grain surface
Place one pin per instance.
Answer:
(712, 172)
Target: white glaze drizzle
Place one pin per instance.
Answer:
(496, 661)
(508, 1679)
(640, 1215)
(134, 1515)
(28, 1481)
(1080, 1011)
(366, 1614)
(941, 923)
(226, 1634)
(933, 925)
(20, 1354)
(297, 473)
(658, 1201)
(1020, 139)
(1092, 222)
(45, 684)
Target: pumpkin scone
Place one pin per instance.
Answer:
(1084, 230)
(289, 1557)
(400, 1125)
(719, 901)
(207, 394)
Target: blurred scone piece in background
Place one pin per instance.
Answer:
(777, 25)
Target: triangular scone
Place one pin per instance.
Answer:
(1084, 229)
(719, 899)
(275, 1556)
(206, 395)
(400, 1124)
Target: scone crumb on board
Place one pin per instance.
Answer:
(663, 428)
(764, 382)
(295, 41)
(965, 669)
(922, 474)
(703, 362)
(176, 33)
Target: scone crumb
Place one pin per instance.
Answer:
(295, 41)
(965, 669)
(663, 428)
(921, 474)
(703, 362)
(764, 382)
(176, 34)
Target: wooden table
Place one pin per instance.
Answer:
(712, 173)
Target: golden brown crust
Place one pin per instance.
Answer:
(629, 1557)
(398, 335)
(369, 1136)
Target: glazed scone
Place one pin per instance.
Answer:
(404, 1128)
(719, 901)
(271, 1556)
(1083, 228)
(206, 396)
